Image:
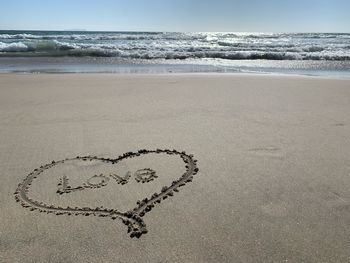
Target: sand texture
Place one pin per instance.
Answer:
(174, 168)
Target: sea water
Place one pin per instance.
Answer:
(158, 52)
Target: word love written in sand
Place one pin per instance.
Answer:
(80, 182)
(97, 181)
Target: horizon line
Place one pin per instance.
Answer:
(164, 31)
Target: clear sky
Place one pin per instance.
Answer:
(178, 15)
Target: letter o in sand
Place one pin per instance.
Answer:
(98, 181)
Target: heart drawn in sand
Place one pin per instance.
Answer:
(133, 216)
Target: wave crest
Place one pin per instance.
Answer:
(162, 45)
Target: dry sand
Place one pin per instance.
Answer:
(273, 156)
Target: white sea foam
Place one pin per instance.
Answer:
(141, 45)
(13, 47)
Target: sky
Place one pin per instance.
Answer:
(177, 15)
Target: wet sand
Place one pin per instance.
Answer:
(248, 168)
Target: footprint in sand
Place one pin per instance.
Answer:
(275, 210)
(269, 151)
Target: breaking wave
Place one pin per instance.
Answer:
(143, 45)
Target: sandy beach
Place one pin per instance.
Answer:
(272, 153)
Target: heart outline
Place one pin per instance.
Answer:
(132, 218)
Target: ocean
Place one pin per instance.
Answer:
(326, 54)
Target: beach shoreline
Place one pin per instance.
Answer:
(108, 65)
